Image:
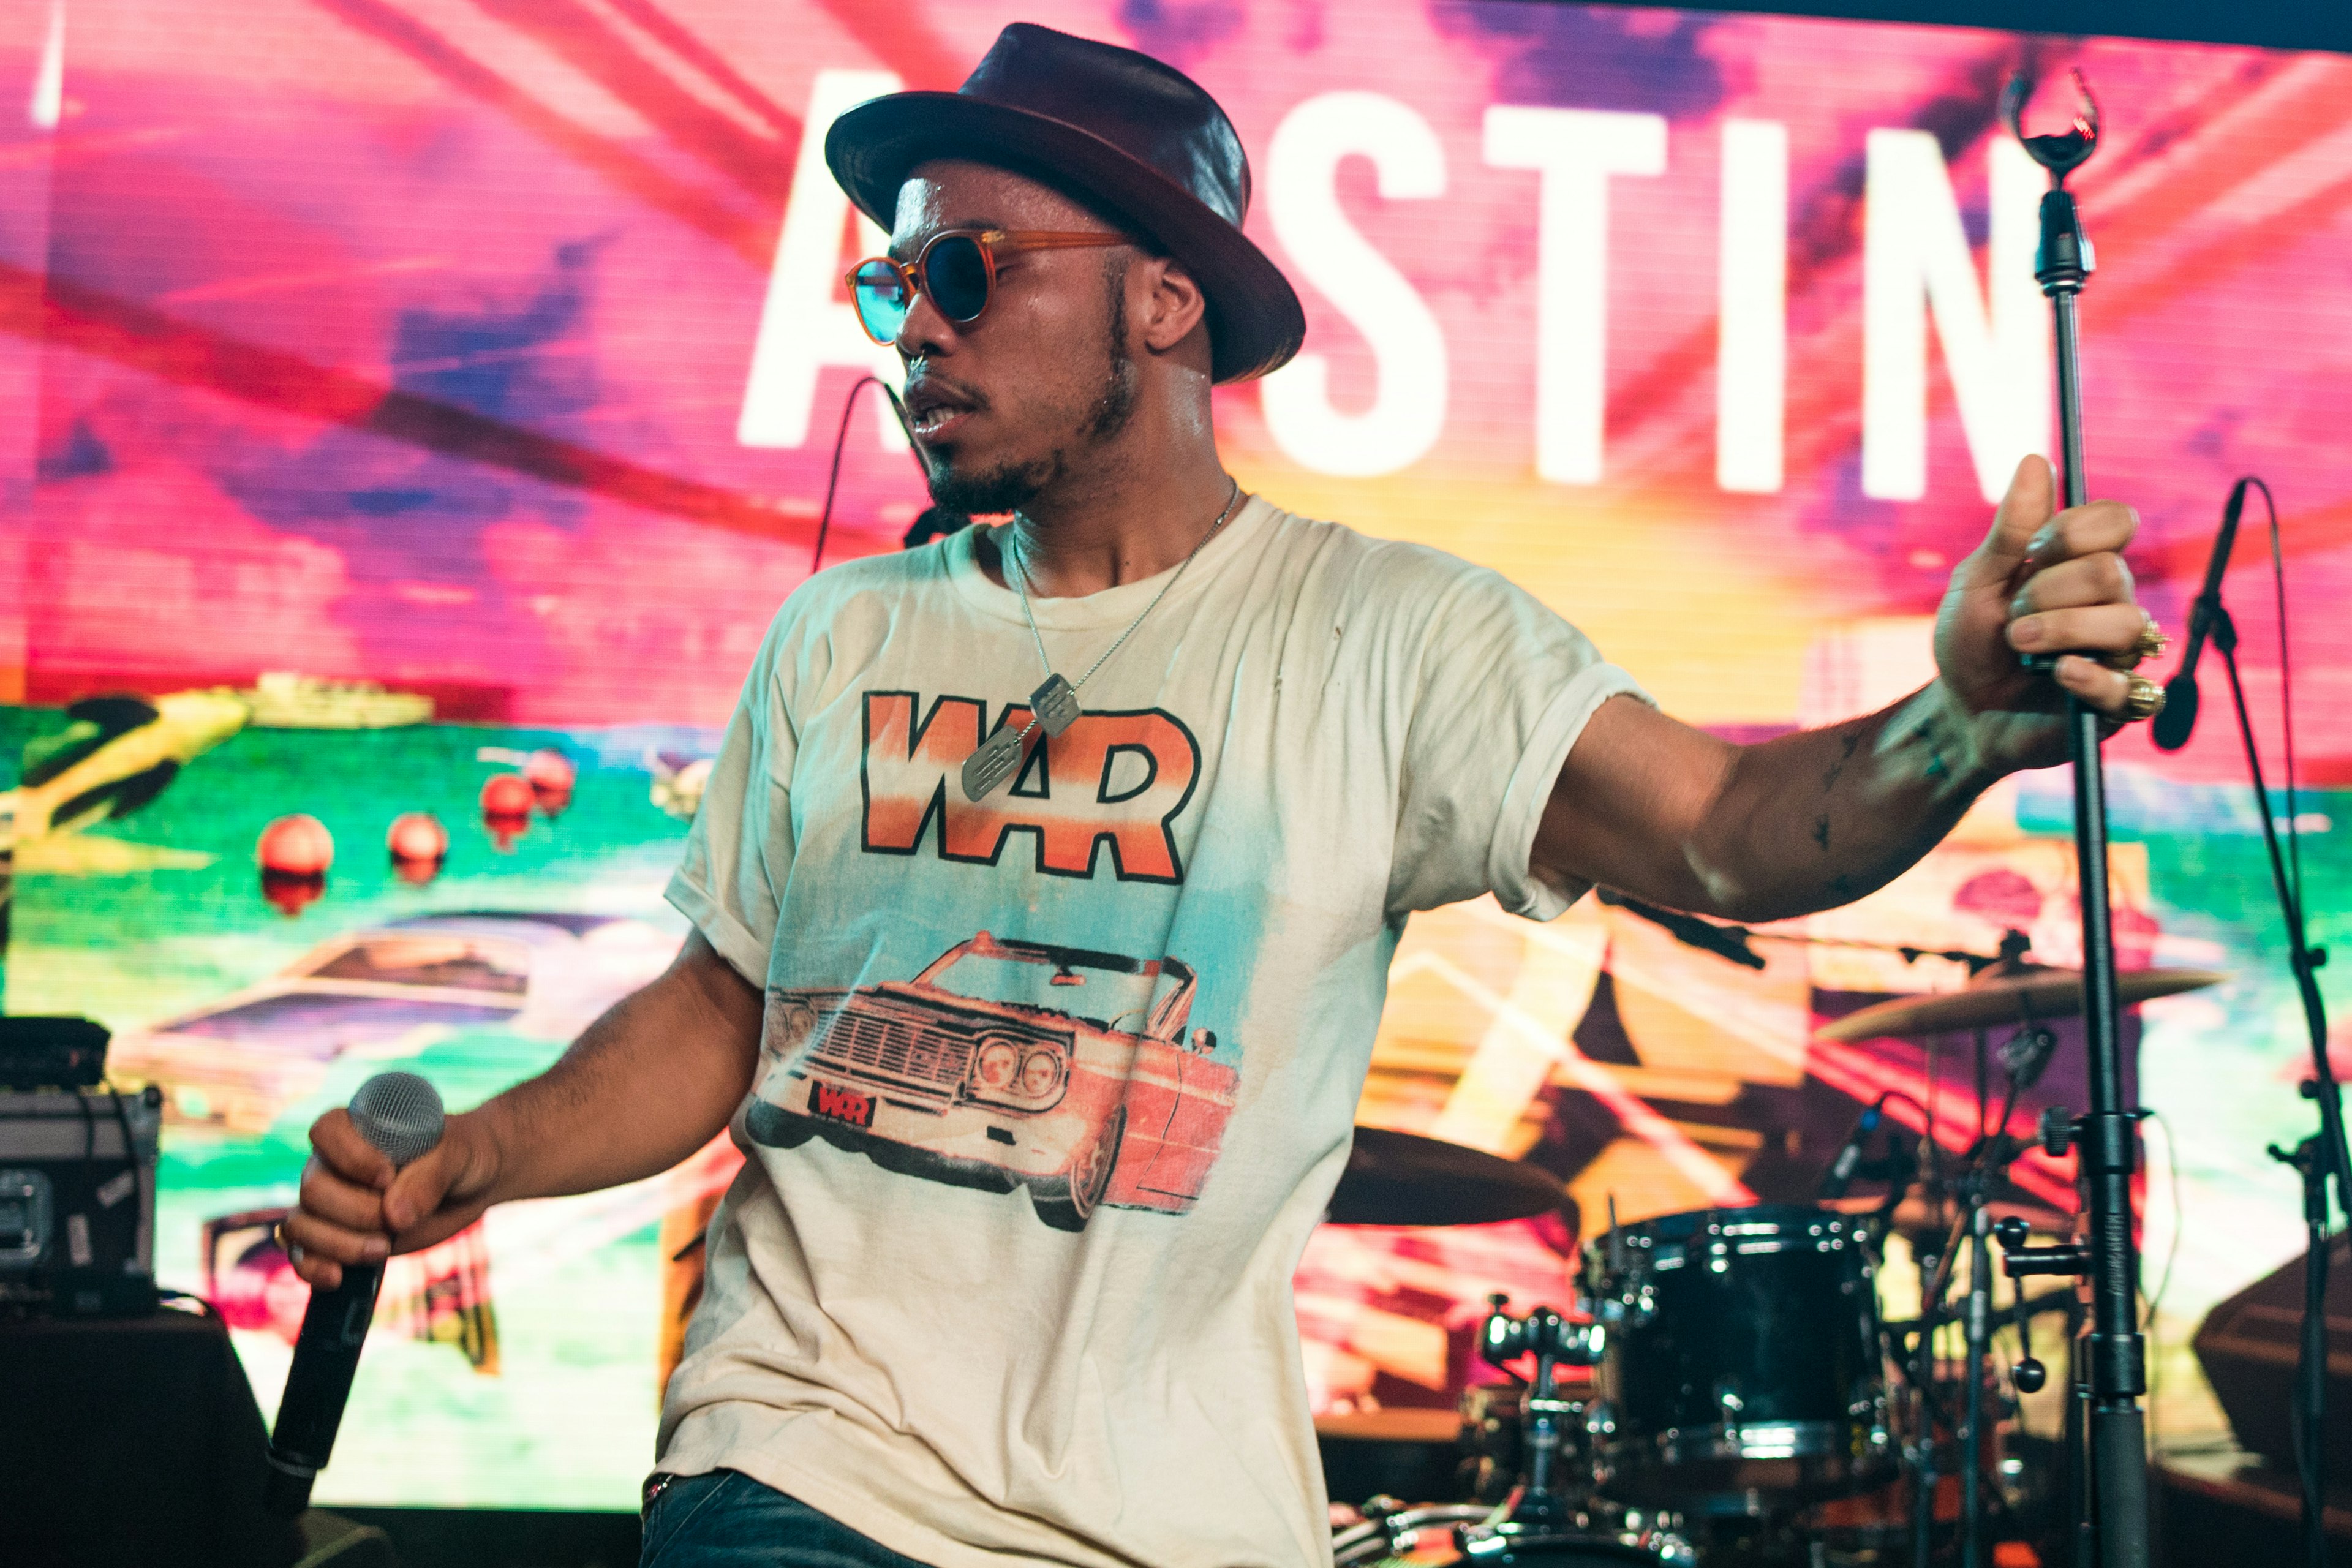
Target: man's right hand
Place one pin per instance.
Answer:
(651, 1081)
(354, 1209)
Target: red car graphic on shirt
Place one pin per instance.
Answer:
(950, 1085)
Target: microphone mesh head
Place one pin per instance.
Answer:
(400, 1114)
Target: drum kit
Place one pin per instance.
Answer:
(1725, 1388)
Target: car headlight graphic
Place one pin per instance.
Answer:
(790, 1024)
(995, 1066)
(1040, 1074)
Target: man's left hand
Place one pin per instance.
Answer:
(2043, 582)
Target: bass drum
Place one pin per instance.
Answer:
(1742, 1366)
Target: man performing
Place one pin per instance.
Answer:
(1045, 886)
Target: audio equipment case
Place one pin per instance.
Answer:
(78, 1200)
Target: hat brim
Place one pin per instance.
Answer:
(1256, 323)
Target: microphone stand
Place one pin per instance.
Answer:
(2317, 1157)
(2114, 1354)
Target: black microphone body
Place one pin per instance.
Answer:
(400, 1114)
(319, 1385)
(2170, 728)
(1723, 941)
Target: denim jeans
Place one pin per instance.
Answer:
(726, 1520)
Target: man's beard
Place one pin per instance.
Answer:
(1011, 486)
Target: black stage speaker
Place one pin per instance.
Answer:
(2248, 1347)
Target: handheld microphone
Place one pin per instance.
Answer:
(2169, 729)
(1849, 1158)
(400, 1114)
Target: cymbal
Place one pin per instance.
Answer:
(1400, 1178)
(2026, 995)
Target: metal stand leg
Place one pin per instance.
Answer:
(2310, 1160)
(1979, 1325)
(1923, 1499)
(1979, 1330)
(2079, 1498)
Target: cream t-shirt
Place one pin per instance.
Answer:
(1053, 1087)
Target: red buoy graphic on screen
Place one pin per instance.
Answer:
(551, 776)
(506, 800)
(418, 845)
(295, 853)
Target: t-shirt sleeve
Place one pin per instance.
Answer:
(739, 852)
(1504, 685)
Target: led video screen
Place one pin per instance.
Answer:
(412, 412)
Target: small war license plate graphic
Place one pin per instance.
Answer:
(834, 1103)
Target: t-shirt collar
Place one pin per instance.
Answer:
(1112, 606)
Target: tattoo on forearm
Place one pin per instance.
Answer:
(1847, 745)
(1930, 733)
(1921, 761)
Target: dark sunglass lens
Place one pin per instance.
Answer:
(881, 300)
(957, 275)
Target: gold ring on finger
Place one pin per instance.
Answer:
(2149, 644)
(2144, 698)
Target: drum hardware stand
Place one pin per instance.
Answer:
(2104, 1137)
(1929, 1252)
(2023, 1058)
(1539, 1516)
(1972, 1409)
(1552, 1339)
(1929, 1264)
(2309, 1160)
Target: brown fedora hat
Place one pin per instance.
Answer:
(1110, 125)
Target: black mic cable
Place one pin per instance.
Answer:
(841, 438)
(2170, 728)
(400, 1114)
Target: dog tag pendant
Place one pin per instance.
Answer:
(996, 761)
(1056, 705)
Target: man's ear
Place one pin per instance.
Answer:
(1173, 306)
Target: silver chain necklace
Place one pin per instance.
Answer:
(1054, 704)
